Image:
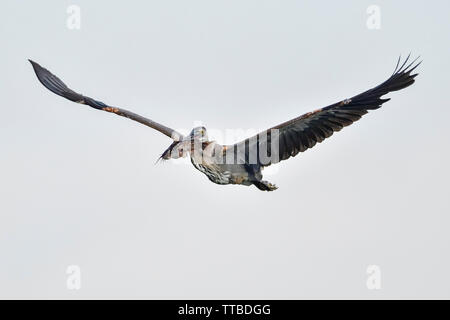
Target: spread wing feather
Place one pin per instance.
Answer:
(55, 85)
(302, 133)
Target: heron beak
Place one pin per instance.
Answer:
(174, 151)
(166, 155)
(163, 157)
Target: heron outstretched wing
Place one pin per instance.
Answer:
(54, 84)
(302, 133)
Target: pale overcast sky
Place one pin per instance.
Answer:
(80, 187)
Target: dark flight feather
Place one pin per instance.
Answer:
(302, 133)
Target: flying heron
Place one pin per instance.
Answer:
(242, 163)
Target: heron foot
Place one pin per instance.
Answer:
(265, 185)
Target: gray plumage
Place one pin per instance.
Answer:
(242, 163)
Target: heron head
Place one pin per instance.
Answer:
(199, 134)
(180, 149)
